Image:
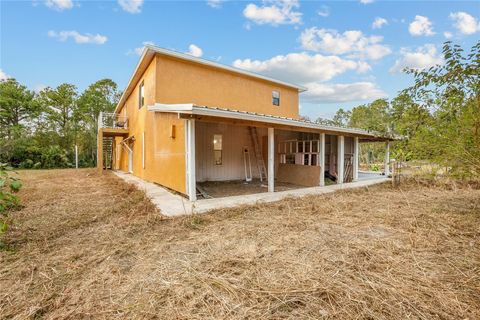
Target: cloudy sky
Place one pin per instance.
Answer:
(345, 52)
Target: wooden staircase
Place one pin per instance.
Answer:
(107, 152)
(258, 153)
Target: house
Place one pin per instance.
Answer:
(184, 120)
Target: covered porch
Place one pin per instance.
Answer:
(233, 153)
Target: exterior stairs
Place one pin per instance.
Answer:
(107, 152)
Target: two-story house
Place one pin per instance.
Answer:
(183, 120)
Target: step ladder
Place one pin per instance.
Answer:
(107, 152)
(258, 154)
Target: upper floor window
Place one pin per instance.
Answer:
(141, 95)
(276, 98)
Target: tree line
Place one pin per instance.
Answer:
(40, 130)
(437, 118)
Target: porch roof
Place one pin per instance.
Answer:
(189, 110)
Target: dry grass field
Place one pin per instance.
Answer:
(91, 247)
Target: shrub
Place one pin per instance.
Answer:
(26, 164)
(8, 186)
(55, 157)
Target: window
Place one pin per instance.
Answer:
(276, 98)
(217, 148)
(141, 95)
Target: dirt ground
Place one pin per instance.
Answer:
(219, 189)
(91, 247)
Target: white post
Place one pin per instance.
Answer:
(356, 155)
(340, 159)
(192, 181)
(387, 158)
(76, 157)
(271, 163)
(322, 159)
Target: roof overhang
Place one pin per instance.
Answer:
(189, 110)
(149, 52)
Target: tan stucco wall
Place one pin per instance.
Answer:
(164, 156)
(180, 81)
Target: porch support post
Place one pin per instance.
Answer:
(271, 163)
(322, 159)
(387, 158)
(340, 159)
(356, 155)
(100, 151)
(191, 177)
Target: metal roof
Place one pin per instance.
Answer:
(190, 108)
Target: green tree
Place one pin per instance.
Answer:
(340, 119)
(101, 96)
(451, 94)
(59, 105)
(17, 107)
(375, 116)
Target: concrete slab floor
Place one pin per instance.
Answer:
(172, 205)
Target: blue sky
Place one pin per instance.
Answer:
(345, 52)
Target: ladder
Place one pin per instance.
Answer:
(262, 170)
(107, 152)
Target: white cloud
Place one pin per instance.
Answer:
(421, 26)
(3, 75)
(324, 11)
(379, 23)
(59, 5)
(131, 6)
(215, 3)
(311, 71)
(351, 42)
(195, 50)
(39, 87)
(366, 1)
(138, 51)
(422, 58)
(342, 92)
(274, 12)
(465, 23)
(448, 34)
(78, 37)
(302, 67)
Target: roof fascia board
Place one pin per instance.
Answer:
(162, 107)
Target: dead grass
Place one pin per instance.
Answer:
(93, 247)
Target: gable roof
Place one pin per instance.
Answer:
(149, 52)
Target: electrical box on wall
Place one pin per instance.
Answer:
(172, 131)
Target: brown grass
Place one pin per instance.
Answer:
(86, 246)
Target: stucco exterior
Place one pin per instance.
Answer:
(158, 139)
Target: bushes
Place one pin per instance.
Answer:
(34, 157)
(8, 186)
(55, 157)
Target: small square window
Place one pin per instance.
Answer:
(141, 95)
(276, 98)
